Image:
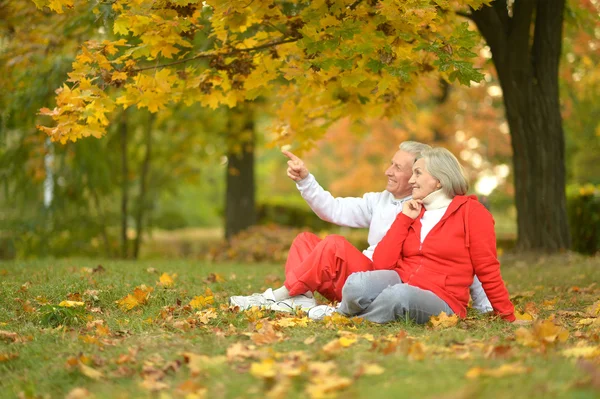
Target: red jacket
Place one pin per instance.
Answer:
(461, 244)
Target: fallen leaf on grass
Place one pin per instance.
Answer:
(238, 351)
(191, 389)
(74, 296)
(98, 269)
(79, 393)
(335, 346)
(327, 386)
(71, 304)
(310, 340)
(292, 322)
(582, 351)
(42, 300)
(369, 369)
(90, 372)
(541, 334)
(266, 369)
(502, 371)
(548, 304)
(167, 280)
(214, 278)
(198, 363)
(523, 316)
(337, 321)
(416, 351)
(589, 321)
(139, 297)
(153, 385)
(205, 316)
(443, 321)
(9, 336)
(594, 309)
(4, 357)
(202, 301)
(266, 334)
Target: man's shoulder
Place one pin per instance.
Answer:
(378, 197)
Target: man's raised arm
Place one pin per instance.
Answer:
(350, 211)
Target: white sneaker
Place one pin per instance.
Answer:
(246, 302)
(291, 304)
(319, 312)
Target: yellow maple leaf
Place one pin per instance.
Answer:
(90, 372)
(346, 342)
(167, 280)
(372, 369)
(118, 76)
(4, 357)
(266, 369)
(57, 5)
(198, 363)
(502, 371)
(71, 304)
(594, 309)
(523, 316)
(443, 321)
(128, 302)
(327, 386)
(199, 301)
(142, 293)
(583, 351)
(541, 334)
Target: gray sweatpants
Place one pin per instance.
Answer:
(380, 296)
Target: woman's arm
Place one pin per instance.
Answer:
(482, 249)
(389, 250)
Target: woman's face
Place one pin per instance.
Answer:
(421, 181)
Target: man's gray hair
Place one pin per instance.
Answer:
(444, 166)
(413, 147)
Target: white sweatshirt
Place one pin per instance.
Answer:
(375, 211)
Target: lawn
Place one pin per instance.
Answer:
(180, 339)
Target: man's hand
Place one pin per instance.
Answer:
(412, 208)
(296, 169)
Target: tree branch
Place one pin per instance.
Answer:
(212, 53)
(354, 5)
(519, 28)
(464, 15)
(493, 30)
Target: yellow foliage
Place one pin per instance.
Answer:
(338, 60)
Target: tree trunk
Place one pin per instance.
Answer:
(142, 201)
(124, 184)
(240, 210)
(528, 73)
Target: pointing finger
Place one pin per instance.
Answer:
(291, 156)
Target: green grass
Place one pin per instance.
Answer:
(142, 343)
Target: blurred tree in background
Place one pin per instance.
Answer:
(193, 162)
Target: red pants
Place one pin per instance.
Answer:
(322, 265)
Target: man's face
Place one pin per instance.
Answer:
(399, 173)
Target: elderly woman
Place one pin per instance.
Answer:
(426, 262)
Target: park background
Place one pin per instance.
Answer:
(186, 197)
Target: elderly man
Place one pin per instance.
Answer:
(324, 265)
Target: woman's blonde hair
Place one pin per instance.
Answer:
(444, 166)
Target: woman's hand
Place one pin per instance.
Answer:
(412, 208)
